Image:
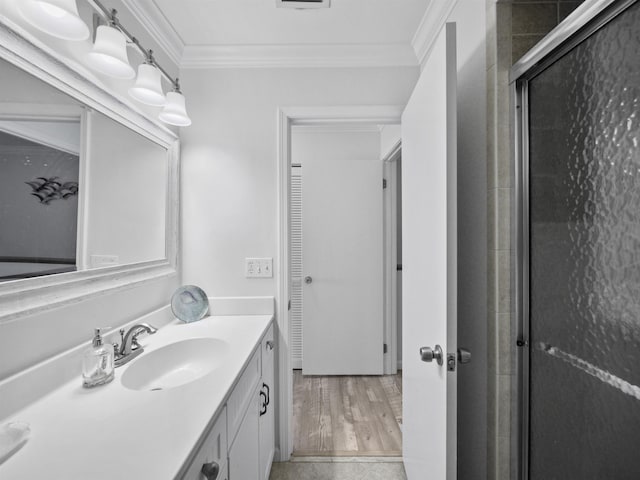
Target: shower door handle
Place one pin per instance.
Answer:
(464, 355)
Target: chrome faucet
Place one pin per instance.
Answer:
(130, 348)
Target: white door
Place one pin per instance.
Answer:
(342, 329)
(429, 265)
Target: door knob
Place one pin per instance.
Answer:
(308, 279)
(210, 470)
(428, 354)
(464, 355)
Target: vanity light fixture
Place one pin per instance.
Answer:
(148, 86)
(58, 18)
(175, 112)
(109, 54)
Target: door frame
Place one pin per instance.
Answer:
(390, 226)
(286, 118)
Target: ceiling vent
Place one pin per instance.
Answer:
(303, 3)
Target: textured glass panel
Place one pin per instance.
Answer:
(585, 259)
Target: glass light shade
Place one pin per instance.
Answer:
(58, 18)
(175, 112)
(109, 54)
(148, 87)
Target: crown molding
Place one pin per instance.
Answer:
(298, 56)
(151, 18)
(432, 21)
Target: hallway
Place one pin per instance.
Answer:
(347, 415)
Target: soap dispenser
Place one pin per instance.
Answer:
(97, 363)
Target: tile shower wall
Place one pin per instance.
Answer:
(513, 27)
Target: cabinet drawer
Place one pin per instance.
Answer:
(242, 394)
(214, 449)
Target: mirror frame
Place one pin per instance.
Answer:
(20, 298)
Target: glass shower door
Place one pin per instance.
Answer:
(584, 258)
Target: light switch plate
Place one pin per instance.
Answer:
(258, 267)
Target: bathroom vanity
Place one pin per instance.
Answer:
(199, 400)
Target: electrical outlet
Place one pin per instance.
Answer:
(104, 260)
(258, 267)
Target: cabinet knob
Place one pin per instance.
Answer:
(269, 345)
(210, 470)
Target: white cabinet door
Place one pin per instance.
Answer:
(212, 452)
(268, 401)
(244, 455)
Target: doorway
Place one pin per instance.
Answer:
(344, 240)
(288, 117)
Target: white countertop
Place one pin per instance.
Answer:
(111, 432)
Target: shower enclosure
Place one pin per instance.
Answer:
(577, 100)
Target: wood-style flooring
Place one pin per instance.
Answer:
(347, 415)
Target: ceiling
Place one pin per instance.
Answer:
(228, 32)
(251, 22)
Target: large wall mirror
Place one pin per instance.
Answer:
(88, 187)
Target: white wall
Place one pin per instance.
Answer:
(320, 143)
(229, 161)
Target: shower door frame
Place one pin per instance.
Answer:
(581, 24)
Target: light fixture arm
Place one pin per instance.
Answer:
(110, 16)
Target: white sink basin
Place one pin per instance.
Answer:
(175, 364)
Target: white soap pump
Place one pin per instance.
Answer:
(97, 363)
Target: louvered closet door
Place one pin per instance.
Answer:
(342, 258)
(295, 263)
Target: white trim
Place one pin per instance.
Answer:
(153, 20)
(24, 297)
(391, 260)
(82, 226)
(298, 56)
(286, 117)
(284, 426)
(432, 22)
(323, 129)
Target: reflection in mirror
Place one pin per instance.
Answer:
(77, 189)
(39, 174)
(126, 196)
(38, 199)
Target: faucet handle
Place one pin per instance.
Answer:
(117, 347)
(151, 328)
